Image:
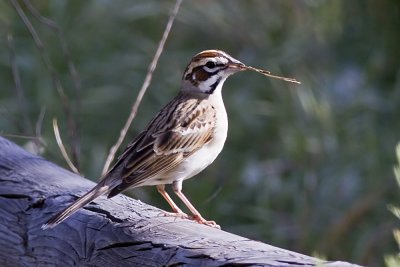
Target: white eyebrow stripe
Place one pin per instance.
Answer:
(203, 62)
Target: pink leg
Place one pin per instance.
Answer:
(177, 187)
(175, 208)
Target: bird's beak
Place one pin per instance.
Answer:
(237, 66)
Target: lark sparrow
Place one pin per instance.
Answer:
(179, 142)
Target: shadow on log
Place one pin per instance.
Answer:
(109, 232)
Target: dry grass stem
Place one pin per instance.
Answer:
(72, 128)
(145, 85)
(62, 148)
(268, 73)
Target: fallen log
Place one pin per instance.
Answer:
(109, 232)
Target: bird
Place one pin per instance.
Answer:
(183, 138)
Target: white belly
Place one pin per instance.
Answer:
(207, 154)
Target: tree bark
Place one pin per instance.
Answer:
(116, 232)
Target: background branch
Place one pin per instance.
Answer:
(65, 101)
(145, 85)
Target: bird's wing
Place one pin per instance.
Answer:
(178, 130)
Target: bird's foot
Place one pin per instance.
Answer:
(201, 220)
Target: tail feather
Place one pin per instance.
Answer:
(79, 203)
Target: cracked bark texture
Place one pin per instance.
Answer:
(116, 232)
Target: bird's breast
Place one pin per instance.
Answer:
(209, 152)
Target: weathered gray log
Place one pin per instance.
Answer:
(109, 232)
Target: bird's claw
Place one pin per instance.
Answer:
(201, 220)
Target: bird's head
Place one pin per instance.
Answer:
(208, 70)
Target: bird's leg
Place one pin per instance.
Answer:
(177, 211)
(177, 187)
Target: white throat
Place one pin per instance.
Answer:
(212, 86)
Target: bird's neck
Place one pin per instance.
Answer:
(208, 88)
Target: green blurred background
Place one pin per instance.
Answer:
(307, 168)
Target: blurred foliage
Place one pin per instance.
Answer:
(306, 168)
(393, 260)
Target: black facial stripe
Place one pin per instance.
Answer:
(219, 66)
(214, 86)
(189, 76)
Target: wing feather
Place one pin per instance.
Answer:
(179, 130)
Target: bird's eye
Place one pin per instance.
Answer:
(211, 64)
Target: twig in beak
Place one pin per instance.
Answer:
(268, 73)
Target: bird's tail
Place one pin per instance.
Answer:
(98, 190)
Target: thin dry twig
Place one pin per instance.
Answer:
(142, 91)
(54, 76)
(268, 73)
(62, 147)
(74, 126)
(60, 35)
